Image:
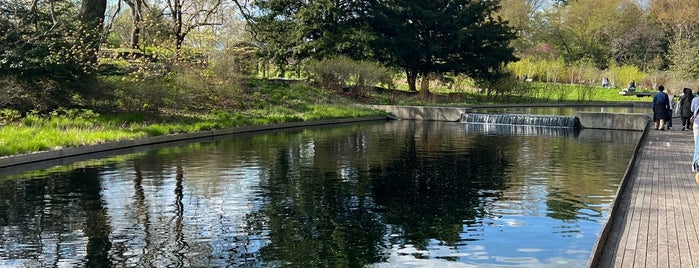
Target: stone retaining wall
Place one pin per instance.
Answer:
(594, 120)
(600, 120)
(452, 114)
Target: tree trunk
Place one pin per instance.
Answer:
(425, 85)
(92, 11)
(92, 17)
(136, 8)
(412, 80)
(176, 8)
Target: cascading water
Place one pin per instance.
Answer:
(522, 119)
(521, 124)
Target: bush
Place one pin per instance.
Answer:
(8, 116)
(356, 77)
(40, 93)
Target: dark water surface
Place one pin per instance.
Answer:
(385, 194)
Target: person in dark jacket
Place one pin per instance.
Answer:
(660, 106)
(685, 108)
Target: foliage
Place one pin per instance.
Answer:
(642, 45)
(677, 17)
(45, 54)
(275, 28)
(543, 70)
(237, 59)
(41, 61)
(358, 77)
(684, 55)
(621, 76)
(8, 116)
(441, 36)
(434, 37)
(583, 72)
(584, 29)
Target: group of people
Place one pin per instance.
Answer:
(688, 107)
(664, 107)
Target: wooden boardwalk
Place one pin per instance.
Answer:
(656, 219)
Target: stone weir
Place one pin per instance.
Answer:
(593, 120)
(521, 120)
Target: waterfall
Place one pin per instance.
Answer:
(520, 130)
(554, 121)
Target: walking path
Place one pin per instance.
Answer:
(656, 223)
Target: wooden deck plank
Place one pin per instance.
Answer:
(673, 222)
(656, 222)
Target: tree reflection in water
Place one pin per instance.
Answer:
(349, 195)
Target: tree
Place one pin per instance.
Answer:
(330, 28)
(39, 54)
(684, 58)
(639, 45)
(524, 17)
(583, 29)
(296, 30)
(187, 15)
(137, 21)
(678, 19)
(273, 27)
(426, 37)
(92, 17)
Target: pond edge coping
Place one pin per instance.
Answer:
(603, 235)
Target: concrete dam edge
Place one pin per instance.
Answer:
(592, 120)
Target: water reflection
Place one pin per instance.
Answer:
(520, 130)
(382, 194)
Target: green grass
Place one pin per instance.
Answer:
(22, 139)
(267, 103)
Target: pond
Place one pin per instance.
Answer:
(381, 194)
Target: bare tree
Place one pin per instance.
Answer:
(137, 15)
(187, 15)
(677, 16)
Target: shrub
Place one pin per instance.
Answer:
(356, 77)
(40, 93)
(8, 116)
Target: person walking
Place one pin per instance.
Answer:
(695, 126)
(685, 108)
(660, 106)
(670, 110)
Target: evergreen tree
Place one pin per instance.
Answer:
(274, 29)
(422, 37)
(425, 37)
(290, 31)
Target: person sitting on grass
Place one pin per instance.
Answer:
(632, 86)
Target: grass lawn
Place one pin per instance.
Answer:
(260, 103)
